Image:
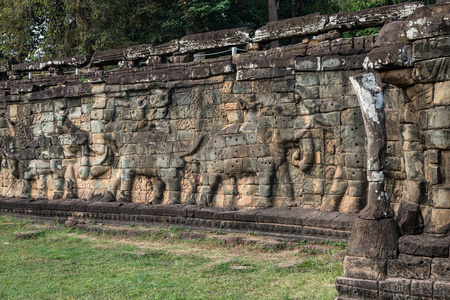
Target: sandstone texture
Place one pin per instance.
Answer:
(274, 140)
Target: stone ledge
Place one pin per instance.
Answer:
(292, 221)
(392, 288)
(424, 245)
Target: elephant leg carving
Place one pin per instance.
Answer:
(157, 194)
(126, 182)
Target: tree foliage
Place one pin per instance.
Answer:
(43, 29)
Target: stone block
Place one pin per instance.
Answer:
(329, 91)
(352, 131)
(308, 63)
(439, 221)
(168, 173)
(364, 268)
(441, 290)
(437, 139)
(430, 48)
(439, 117)
(391, 35)
(363, 244)
(422, 288)
(352, 117)
(307, 92)
(355, 174)
(414, 165)
(360, 288)
(328, 119)
(332, 78)
(233, 165)
(354, 61)
(395, 286)
(432, 70)
(442, 93)
(440, 269)
(411, 133)
(390, 57)
(242, 88)
(307, 79)
(409, 218)
(441, 196)
(426, 22)
(333, 104)
(333, 62)
(408, 266)
(356, 145)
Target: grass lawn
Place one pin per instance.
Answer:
(63, 263)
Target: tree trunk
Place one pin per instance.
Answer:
(297, 6)
(273, 16)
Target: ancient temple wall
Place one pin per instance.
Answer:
(266, 127)
(277, 127)
(307, 124)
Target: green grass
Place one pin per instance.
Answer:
(62, 263)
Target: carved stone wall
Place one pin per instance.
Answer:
(278, 127)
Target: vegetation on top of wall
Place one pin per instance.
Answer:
(44, 29)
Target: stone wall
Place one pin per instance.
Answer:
(276, 127)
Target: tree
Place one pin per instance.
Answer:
(273, 16)
(297, 8)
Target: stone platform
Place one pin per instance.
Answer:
(287, 223)
(421, 271)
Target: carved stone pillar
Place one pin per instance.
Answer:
(374, 233)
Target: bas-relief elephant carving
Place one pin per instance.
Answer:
(344, 173)
(144, 145)
(149, 154)
(255, 149)
(43, 157)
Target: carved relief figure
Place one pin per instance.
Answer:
(254, 149)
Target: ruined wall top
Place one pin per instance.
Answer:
(305, 26)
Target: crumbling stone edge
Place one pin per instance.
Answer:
(300, 223)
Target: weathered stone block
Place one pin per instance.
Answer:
(409, 218)
(441, 196)
(307, 79)
(441, 290)
(310, 24)
(414, 165)
(432, 70)
(329, 91)
(442, 93)
(390, 57)
(440, 269)
(363, 244)
(351, 117)
(308, 64)
(438, 222)
(307, 92)
(391, 35)
(437, 139)
(422, 288)
(333, 62)
(396, 286)
(426, 22)
(439, 117)
(215, 39)
(430, 48)
(408, 266)
(372, 17)
(364, 268)
(351, 288)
